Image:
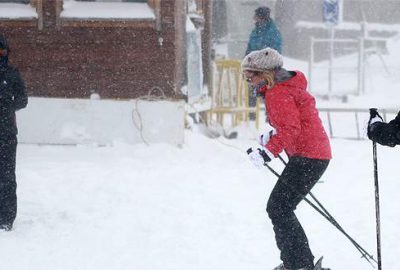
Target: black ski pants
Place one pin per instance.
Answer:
(296, 180)
(8, 184)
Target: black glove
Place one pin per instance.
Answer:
(374, 117)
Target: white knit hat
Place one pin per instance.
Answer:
(262, 60)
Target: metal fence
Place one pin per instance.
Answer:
(350, 123)
(336, 72)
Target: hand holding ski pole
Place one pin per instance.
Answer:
(374, 117)
(258, 157)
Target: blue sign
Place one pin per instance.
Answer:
(331, 12)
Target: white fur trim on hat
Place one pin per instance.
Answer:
(262, 60)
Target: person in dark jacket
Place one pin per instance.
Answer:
(12, 98)
(264, 35)
(298, 131)
(387, 134)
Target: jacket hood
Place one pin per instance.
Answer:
(297, 81)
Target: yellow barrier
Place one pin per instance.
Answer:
(230, 95)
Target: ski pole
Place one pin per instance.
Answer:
(364, 254)
(328, 217)
(377, 212)
(333, 221)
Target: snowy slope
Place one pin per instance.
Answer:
(201, 206)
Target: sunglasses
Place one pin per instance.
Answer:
(3, 52)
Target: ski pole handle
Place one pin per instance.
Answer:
(373, 112)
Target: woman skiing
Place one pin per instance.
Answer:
(298, 131)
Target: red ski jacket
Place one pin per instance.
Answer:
(291, 111)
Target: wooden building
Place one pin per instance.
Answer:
(120, 49)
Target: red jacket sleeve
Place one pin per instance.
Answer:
(284, 116)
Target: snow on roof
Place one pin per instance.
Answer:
(350, 26)
(17, 11)
(107, 10)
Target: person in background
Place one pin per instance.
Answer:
(387, 134)
(12, 98)
(264, 35)
(298, 131)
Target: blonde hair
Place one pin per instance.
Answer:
(269, 77)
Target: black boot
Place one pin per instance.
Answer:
(6, 227)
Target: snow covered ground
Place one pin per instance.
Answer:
(201, 206)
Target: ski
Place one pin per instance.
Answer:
(318, 265)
